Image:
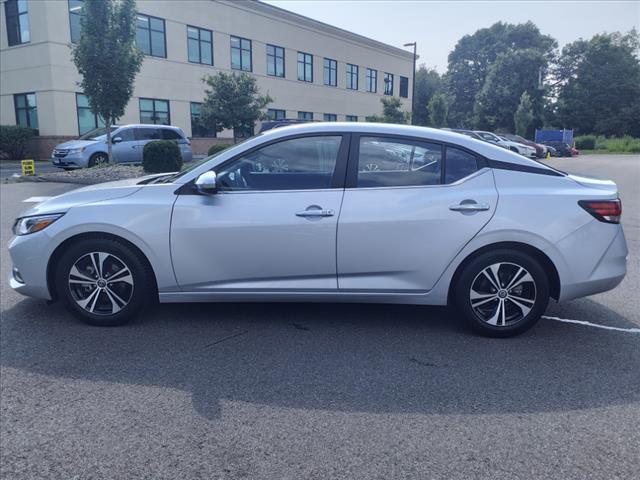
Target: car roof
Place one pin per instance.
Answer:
(148, 125)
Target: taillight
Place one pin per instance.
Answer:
(608, 211)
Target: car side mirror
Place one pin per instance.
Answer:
(207, 184)
(116, 140)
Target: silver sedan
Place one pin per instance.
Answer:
(337, 212)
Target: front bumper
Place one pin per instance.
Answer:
(30, 255)
(76, 160)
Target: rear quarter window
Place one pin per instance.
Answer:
(459, 164)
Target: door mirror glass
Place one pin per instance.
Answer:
(207, 184)
(116, 140)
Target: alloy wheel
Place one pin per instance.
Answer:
(502, 294)
(101, 283)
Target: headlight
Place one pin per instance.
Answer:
(27, 225)
(76, 150)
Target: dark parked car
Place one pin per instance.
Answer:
(562, 149)
(284, 122)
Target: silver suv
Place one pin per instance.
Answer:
(128, 141)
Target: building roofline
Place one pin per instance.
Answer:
(311, 23)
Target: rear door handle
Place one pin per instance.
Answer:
(469, 207)
(315, 211)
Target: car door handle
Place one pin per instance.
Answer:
(469, 207)
(315, 212)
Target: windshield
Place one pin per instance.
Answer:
(99, 133)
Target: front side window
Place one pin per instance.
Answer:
(26, 110)
(458, 164)
(75, 10)
(305, 67)
(241, 54)
(148, 133)
(330, 72)
(199, 45)
(17, 22)
(387, 162)
(388, 83)
(87, 120)
(330, 117)
(150, 35)
(153, 110)
(404, 87)
(295, 164)
(372, 80)
(275, 61)
(276, 114)
(305, 115)
(351, 118)
(352, 77)
(198, 129)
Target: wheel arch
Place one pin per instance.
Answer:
(57, 253)
(545, 262)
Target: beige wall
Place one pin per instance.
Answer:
(44, 65)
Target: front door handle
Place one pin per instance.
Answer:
(315, 211)
(469, 206)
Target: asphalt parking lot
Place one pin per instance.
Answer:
(301, 391)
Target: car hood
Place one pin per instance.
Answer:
(85, 195)
(76, 144)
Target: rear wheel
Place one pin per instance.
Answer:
(502, 293)
(103, 282)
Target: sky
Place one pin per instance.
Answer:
(438, 25)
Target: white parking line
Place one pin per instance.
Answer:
(589, 324)
(36, 199)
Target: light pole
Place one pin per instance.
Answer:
(413, 80)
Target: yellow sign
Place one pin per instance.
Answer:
(28, 167)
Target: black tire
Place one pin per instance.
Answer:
(99, 158)
(514, 318)
(139, 293)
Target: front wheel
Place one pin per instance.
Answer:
(103, 282)
(502, 293)
(98, 159)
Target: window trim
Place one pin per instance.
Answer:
(350, 76)
(154, 100)
(70, 13)
(332, 115)
(275, 63)
(304, 62)
(164, 35)
(275, 118)
(303, 111)
(16, 108)
(392, 82)
(200, 41)
(214, 134)
(370, 78)
(351, 181)
(17, 17)
(400, 87)
(334, 70)
(95, 116)
(231, 47)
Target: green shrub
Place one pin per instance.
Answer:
(161, 156)
(586, 142)
(13, 141)
(218, 147)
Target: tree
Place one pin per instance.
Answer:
(473, 56)
(599, 85)
(523, 117)
(391, 112)
(107, 57)
(232, 101)
(438, 110)
(509, 76)
(428, 82)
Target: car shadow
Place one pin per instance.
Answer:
(337, 357)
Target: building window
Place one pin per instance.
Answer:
(372, 80)
(276, 114)
(404, 87)
(241, 54)
(17, 22)
(199, 45)
(352, 77)
(75, 10)
(330, 72)
(351, 118)
(198, 129)
(388, 83)
(155, 111)
(150, 35)
(305, 115)
(275, 61)
(330, 117)
(87, 120)
(26, 110)
(305, 67)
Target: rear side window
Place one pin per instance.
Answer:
(459, 164)
(168, 134)
(387, 162)
(295, 164)
(147, 133)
